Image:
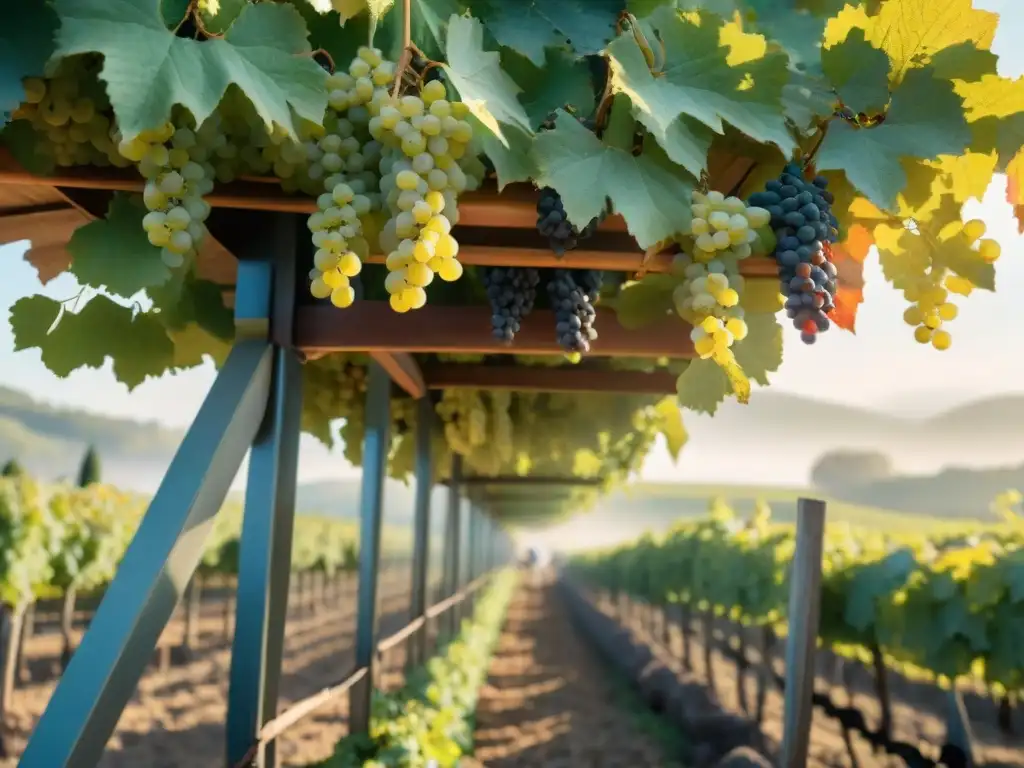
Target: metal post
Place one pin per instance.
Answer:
(451, 537)
(421, 541)
(801, 643)
(159, 563)
(375, 457)
(265, 548)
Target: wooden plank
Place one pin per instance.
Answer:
(48, 227)
(372, 326)
(403, 370)
(568, 378)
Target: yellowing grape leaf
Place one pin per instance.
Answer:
(924, 120)
(27, 29)
(967, 176)
(1015, 188)
(858, 242)
(762, 295)
(147, 72)
(114, 252)
(698, 86)
(859, 72)
(138, 345)
(483, 86)
(760, 352)
(193, 344)
(912, 31)
(653, 200)
(703, 386)
(670, 424)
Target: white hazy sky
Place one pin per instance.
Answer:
(880, 366)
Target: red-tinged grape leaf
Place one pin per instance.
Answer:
(49, 261)
(858, 242)
(850, 270)
(137, 344)
(847, 301)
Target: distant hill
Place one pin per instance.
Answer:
(944, 463)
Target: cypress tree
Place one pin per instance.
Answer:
(89, 472)
(12, 469)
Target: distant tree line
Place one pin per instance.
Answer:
(840, 470)
(89, 471)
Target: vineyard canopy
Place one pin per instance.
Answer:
(632, 114)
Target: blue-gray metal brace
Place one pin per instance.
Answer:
(452, 537)
(421, 536)
(375, 458)
(163, 555)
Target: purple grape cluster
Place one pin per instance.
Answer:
(553, 224)
(512, 292)
(804, 225)
(573, 293)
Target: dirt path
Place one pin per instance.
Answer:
(549, 701)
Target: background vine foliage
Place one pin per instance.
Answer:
(727, 132)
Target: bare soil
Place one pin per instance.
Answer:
(549, 700)
(176, 717)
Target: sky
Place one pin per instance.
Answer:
(881, 366)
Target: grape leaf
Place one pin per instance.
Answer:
(561, 82)
(762, 296)
(859, 72)
(586, 172)
(924, 120)
(531, 27)
(192, 345)
(512, 161)
(760, 352)
(490, 94)
(645, 301)
(964, 61)
(429, 25)
(912, 31)
(114, 253)
(219, 15)
(703, 386)
(805, 99)
(670, 424)
(27, 29)
(698, 82)
(847, 301)
(137, 345)
(1015, 188)
(148, 69)
(189, 300)
(26, 144)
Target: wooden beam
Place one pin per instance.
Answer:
(403, 370)
(372, 326)
(567, 378)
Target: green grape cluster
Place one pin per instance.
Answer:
(709, 296)
(174, 161)
(424, 136)
(69, 111)
(345, 157)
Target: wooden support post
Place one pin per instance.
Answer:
(421, 534)
(375, 459)
(801, 642)
(958, 726)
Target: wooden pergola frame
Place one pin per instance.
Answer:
(254, 407)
